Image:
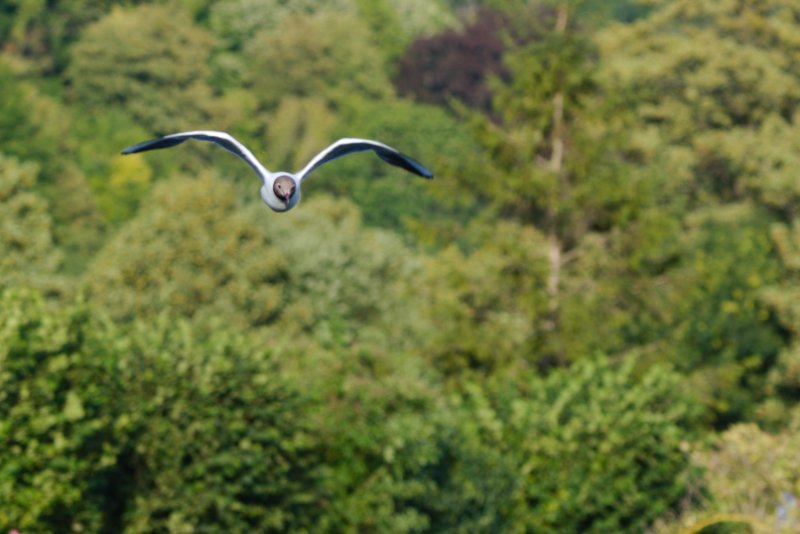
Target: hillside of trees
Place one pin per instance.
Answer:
(588, 322)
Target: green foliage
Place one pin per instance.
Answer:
(721, 330)
(387, 197)
(629, 191)
(689, 293)
(34, 127)
(16, 124)
(57, 432)
(423, 17)
(561, 160)
(783, 300)
(752, 478)
(476, 478)
(215, 439)
(28, 253)
(536, 186)
(116, 184)
(385, 25)
(236, 23)
(346, 282)
(298, 129)
(37, 128)
(601, 451)
(486, 307)
(322, 55)
(600, 12)
(710, 78)
(590, 449)
(108, 430)
(42, 32)
(150, 62)
(128, 181)
(176, 256)
(374, 420)
(315, 270)
(716, 94)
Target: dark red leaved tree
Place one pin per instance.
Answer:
(455, 64)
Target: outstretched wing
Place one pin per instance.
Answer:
(222, 139)
(342, 147)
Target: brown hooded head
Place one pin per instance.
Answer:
(284, 188)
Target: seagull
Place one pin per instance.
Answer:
(281, 190)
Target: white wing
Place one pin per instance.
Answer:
(342, 147)
(222, 139)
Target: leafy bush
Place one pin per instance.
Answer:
(600, 449)
(109, 430)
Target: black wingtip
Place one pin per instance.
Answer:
(418, 169)
(154, 144)
(135, 148)
(405, 162)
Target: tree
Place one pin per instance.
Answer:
(28, 253)
(57, 406)
(710, 78)
(386, 197)
(455, 64)
(34, 126)
(151, 62)
(235, 23)
(122, 190)
(42, 32)
(111, 430)
(559, 158)
(484, 306)
(17, 127)
(374, 409)
(298, 129)
(750, 477)
(783, 381)
(215, 438)
(420, 17)
(175, 256)
(592, 448)
(332, 278)
(347, 283)
(322, 55)
(385, 25)
(600, 450)
(716, 96)
(721, 331)
(117, 184)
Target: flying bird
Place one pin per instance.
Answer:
(281, 190)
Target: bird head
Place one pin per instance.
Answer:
(284, 187)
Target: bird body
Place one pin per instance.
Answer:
(281, 190)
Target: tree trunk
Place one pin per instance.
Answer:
(556, 165)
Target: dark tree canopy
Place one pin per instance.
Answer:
(455, 64)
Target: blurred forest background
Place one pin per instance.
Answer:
(589, 322)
